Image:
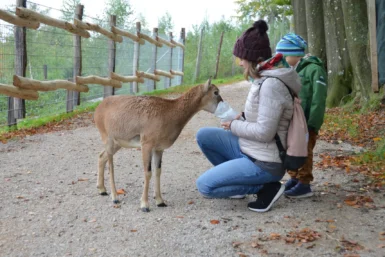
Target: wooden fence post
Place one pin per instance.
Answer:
(233, 63)
(218, 56)
(77, 54)
(70, 99)
(136, 59)
(199, 57)
(45, 71)
(181, 56)
(108, 90)
(16, 106)
(167, 81)
(151, 84)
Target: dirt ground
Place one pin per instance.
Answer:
(50, 205)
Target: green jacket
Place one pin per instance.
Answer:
(314, 90)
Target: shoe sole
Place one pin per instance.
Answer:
(300, 196)
(276, 197)
(237, 197)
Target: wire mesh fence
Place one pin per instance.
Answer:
(7, 65)
(50, 56)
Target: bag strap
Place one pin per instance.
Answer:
(293, 95)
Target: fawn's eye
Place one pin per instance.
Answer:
(216, 93)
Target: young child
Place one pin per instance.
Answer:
(313, 96)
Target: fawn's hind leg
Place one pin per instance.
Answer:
(101, 165)
(158, 167)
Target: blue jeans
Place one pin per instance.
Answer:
(233, 172)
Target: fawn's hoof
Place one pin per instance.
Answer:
(145, 209)
(162, 205)
(116, 201)
(103, 193)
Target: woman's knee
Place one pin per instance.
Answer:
(203, 134)
(202, 186)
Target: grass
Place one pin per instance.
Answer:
(362, 126)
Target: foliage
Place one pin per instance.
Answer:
(165, 23)
(69, 7)
(210, 44)
(123, 11)
(364, 129)
(270, 10)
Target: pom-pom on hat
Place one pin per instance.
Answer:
(291, 45)
(254, 43)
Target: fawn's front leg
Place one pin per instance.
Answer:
(146, 156)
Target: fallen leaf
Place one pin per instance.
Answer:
(351, 245)
(242, 255)
(382, 233)
(310, 246)
(236, 244)
(255, 245)
(117, 206)
(82, 179)
(275, 236)
(214, 222)
(133, 230)
(120, 191)
(191, 202)
(381, 246)
(264, 251)
(20, 197)
(290, 240)
(93, 220)
(377, 139)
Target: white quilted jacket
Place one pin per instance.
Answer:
(267, 112)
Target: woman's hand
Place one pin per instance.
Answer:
(239, 116)
(226, 125)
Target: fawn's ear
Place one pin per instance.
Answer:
(207, 85)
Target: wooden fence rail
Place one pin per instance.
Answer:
(27, 89)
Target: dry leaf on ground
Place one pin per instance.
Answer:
(120, 191)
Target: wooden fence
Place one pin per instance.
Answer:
(27, 89)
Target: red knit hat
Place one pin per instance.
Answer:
(254, 43)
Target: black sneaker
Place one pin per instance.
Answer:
(266, 198)
(291, 183)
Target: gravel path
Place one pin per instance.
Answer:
(50, 205)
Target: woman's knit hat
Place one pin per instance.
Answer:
(254, 43)
(291, 45)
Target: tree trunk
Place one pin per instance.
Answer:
(315, 29)
(338, 61)
(299, 10)
(356, 26)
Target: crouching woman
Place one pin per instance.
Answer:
(244, 152)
